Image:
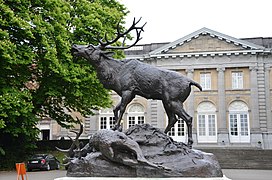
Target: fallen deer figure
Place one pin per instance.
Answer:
(117, 147)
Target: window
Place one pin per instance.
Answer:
(239, 122)
(107, 120)
(45, 134)
(206, 123)
(178, 131)
(135, 115)
(205, 81)
(237, 80)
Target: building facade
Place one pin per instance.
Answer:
(234, 108)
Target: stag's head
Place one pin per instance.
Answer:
(94, 53)
(89, 52)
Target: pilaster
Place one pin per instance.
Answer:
(268, 97)
(190, 100)
(154, 112)
(261, 95)
(221, 101)
(255, 126)
(223, 137)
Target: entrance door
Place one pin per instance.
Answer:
(239, 131)
(239, 128)
(207, 128)
(206, 123)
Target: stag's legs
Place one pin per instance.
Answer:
(171, 118)
(115, 110)
(121, 107)
(177, 108)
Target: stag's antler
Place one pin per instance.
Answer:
(75, 147)
(75, 142)
(139, 30)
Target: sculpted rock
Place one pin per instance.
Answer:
(142, 151)
(157, 147)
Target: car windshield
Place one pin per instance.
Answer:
(38, 156)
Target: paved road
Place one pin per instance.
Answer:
(35, 175)
(234, 174)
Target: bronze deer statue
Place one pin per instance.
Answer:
(129, 78)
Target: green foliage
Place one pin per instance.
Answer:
(39, 76)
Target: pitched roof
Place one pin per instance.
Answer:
(205, 31)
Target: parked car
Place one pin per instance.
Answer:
(43, 162)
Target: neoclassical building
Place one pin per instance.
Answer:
(234, 108)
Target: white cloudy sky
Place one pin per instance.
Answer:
(169, 20)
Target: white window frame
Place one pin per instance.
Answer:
(179, 131)
(206, 111)
(136, 119)
(209, 127)
(243, 135)
(108, 117)
(109, 121)
(237, 80)
(136, 115)
(206, 81)
(239, 110)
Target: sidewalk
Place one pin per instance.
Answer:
(248, 174)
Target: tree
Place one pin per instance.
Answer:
(39, 76)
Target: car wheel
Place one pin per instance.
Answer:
(29, 170)
(48, 167)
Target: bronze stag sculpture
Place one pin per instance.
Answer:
(129, 78)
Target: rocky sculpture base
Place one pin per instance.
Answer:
(162, 157)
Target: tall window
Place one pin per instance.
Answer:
(237, 80)
(106, 119)
(206, 123)
(178, 131)
(205, 81)
(135, 115)
(239, 122)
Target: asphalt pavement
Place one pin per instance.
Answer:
(234, 174)
(34, 175)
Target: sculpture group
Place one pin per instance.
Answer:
(143, 150)
(129, 78)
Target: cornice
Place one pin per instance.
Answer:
(205, 54)
(196, 54)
